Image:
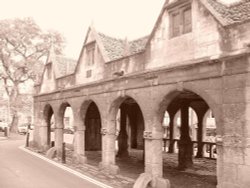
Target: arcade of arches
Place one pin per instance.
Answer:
(113, 122)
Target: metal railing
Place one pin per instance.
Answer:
(208, 148)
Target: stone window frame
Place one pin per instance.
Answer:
(182, 27)
(90, 53)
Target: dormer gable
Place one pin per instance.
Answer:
(48, 71)
(48, 82)
(184, 31)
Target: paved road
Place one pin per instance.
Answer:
(19, 169)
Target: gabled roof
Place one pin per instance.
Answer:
(236, 13)
(118, 48)
(113, 47)
(138, 45)
(63, 66)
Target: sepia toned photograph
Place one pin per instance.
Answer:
(125, 94)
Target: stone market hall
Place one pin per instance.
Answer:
(196, 57)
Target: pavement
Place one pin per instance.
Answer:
(202, 175)
(19, 169)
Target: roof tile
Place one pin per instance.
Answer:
(236, 13)
(117, 48)
(65, 66)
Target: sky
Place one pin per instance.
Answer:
(72, 18)
(119, 18)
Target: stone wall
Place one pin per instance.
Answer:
(212, 62)
(223, 85)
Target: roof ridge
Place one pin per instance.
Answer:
(65, 57)
(116, 38)
(227, 15)
(233, 4)
(137, 39)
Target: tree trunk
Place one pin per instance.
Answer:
(13, 107)
(14, 122)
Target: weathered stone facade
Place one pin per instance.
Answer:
(207, 67)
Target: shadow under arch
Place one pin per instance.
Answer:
(171, 95)
(48, 113)
(114, 108)
(199, 100)
(126, 120)
(84, 108)
(92, 123)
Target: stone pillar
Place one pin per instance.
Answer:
(171, 135)
(185, 144)
(123, 136)
(58, 132)
(58, 141)
(153, 161)
(79, 138)
(200, 111)
(41, 128)
(79, 146)
(153, 153)
(108, 150)
(43, 131)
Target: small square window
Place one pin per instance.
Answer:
(88, 73)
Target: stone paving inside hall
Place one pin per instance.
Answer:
(203, 174)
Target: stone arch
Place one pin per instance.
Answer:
(187, 93)
(172, 94)
(84, 108)
(126, 121)
(114, 107)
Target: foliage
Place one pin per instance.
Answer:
(24, 49)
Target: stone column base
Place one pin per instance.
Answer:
(146, 179)
(45, 148)
(109, 168)
(80, 159)
(51, 153)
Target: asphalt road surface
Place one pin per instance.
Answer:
(19, 169)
